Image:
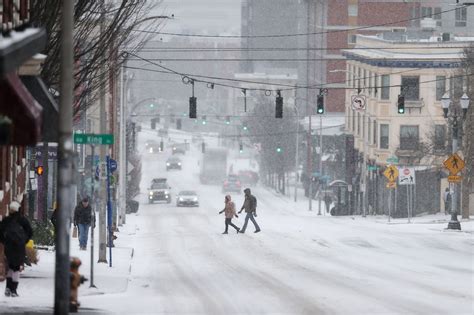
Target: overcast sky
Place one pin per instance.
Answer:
(202, 16)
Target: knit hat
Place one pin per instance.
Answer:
(14, 206)
(228, 198)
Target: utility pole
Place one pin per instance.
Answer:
(103, 126)
(65, 161)
(122, 149)
(309, 112)
(320, 161)
(297, 145)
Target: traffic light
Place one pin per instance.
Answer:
(162, 147)
(204, 120)
(244, 126)
(401, 104)
(39, 170)
(279, 149)
(227, 120)
(320, 105)
(241, 148)
(178, 123)
(203, 147)
(192, 107)
(152, 105)
(153, 123)
(279, 106)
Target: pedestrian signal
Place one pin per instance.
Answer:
(39, 170)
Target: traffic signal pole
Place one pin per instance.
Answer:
(65, 162)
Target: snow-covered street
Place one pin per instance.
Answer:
(300, 263)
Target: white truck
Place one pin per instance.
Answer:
(213, 166)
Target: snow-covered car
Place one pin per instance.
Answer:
(232, 184)
(173, 163)
(159, 191)
(187, 198)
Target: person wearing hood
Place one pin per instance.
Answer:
(83, 220)
(15, 232)
(229, 214)
(250, 206)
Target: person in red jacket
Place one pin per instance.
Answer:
(229, 214)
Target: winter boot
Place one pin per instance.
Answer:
(8, 289)
(13, 289)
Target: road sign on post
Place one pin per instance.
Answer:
(454, 164)
(391, 173)
(358, 102)
(88, 138)
(113, 165)
(406, 176)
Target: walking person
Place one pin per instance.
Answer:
(15, 232)
(327, 202)
(229, 214)
(250, 206)
(447, 201)
(83, 220)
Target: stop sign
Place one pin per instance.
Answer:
(406, 171)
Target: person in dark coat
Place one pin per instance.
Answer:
(54, 217)
(250, 206)
(83, 220)
(327, 201)
(15, 232)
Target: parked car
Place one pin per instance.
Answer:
(232, 184)
(179, 148)
(187, 198)
(173, 163)
(159, 191)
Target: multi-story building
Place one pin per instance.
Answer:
(421, 69)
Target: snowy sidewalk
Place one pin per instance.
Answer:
(36, 286)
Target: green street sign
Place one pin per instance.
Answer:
(372, 168)
(393, 160)
(88, 138)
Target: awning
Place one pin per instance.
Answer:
(40, 92)
(17, 104)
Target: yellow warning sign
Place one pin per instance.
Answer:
(391, 185)
(454, 164)
(391, 173)
(454, 179)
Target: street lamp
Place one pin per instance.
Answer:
(453, 121)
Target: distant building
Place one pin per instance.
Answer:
(421, 69)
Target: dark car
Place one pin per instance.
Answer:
(173, 163)
(232, 184)
(159, 191)
(248, 177)
(187, 198)
(179, 148)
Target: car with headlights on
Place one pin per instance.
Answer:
(173, 163)
(187, 198)
(159, 191)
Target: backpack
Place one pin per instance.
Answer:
(14, 234)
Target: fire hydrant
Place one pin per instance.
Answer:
(76, 281)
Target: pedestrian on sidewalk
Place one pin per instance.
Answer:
(250, 206)
(327, 202)
(15, 232)
(447, 201)
(229, 214)
(83, 220)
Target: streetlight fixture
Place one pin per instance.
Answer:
(453, 121)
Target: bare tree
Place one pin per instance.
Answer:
(122, 17)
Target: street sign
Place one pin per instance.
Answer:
(113, 165)
(391, 185)
(88, 138)
(358, 102)
(406, 176)
(454, 164)
(454, 179)
(392, 160)
(391, 173)
(372, 167)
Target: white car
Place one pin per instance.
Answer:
(187, 198)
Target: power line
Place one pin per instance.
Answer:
(349, 29)
(294, 59)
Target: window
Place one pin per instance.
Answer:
(353, 77)
(363, 126)
(409, 137)
(375, 132)
(368, 130)
(385, 95)
(457, 86)
(437, 16)
(376, 83)
(411, 88)
(414, 15)
(353, 10)
(440, 87)
(426, 12)
(359, 74)
(461, 17)
(440, 137)
(352, 38)
(384, 140)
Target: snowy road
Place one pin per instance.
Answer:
(299, 264)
